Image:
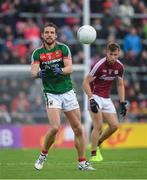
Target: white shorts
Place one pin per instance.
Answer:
(66, 102)
(105, 104)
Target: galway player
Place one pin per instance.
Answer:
(104, 72)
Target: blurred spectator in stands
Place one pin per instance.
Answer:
(135, 5)
(107, 20)
(142, 7)
(143, 106)
(31, 6)
(144, 27)
(132, 46)
(66, 34)
(78, 58)
(143, 58)
(34, 90)
(32, 33)
(97, 24)
(133, 111)
(115, 8)
(69, 6)
(38, 111)
(126, 12)
(20, 108)
(4, 115)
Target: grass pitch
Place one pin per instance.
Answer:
(62, 164)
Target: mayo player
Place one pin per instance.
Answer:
(52, 63)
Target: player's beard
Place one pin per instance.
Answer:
(49, 42)
(111, 62)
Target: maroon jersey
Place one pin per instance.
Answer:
(104, 74)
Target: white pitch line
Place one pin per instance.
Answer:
(104, 162)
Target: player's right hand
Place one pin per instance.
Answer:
(93, 105)
(41, 74)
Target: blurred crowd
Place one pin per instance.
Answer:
(124, 21)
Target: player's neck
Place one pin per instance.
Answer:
(49, 46)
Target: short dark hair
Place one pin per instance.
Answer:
(50, 24)
(113, 47)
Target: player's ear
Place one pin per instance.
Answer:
(41, 36)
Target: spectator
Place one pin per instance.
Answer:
(132, 45)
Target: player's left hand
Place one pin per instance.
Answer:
(56, 70)
(123, 108)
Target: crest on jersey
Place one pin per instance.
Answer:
(50, 103)
(110, 71)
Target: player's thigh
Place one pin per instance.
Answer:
(108, 106)
(70, 101)
(111, 119)
(53, 100)
(74, 117)
(53, 116)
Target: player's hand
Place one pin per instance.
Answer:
(94, 105)
(41, 74)
(56, 70)
(123, 108)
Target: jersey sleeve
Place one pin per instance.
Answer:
(66, 52)
(94, 69)
(35, 59)
(121, 71)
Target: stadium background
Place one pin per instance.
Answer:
(22, 109)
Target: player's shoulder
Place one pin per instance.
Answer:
(61, 45)
(100, 62)
(38, 50)
(119, 63)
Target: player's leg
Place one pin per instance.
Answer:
(113, 125)
(97, 125)
(110, 116)
(73, 114)
(54, 120)
(74, 117)
(53, 108)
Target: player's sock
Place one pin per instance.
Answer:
(93, 153)
(44, 152)
(82, 159)
(98, 157)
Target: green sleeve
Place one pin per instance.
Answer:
(66, 51)
(35, 57)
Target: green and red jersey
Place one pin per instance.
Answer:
(54, 57)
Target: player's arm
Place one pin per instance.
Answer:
(34, 70)
(35, 65)
(121, 89)
(121, 94)
(86, 85)
(67, 65)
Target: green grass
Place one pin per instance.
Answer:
(61, 164)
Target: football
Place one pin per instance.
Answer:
(86, 34)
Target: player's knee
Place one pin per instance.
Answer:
(54, 130)
(78, 131)
(115, 127)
